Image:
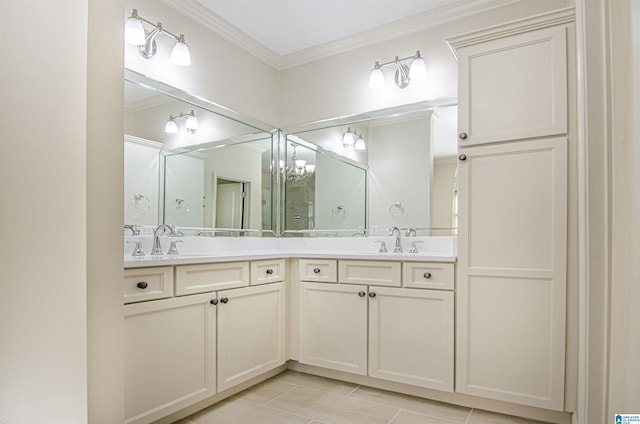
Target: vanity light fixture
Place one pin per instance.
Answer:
(191, 124)
(353, 139)
(403, 75)
(134, 33)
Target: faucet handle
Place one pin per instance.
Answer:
(138, 252)
(414, 248)
(173, 249)
(383, 246)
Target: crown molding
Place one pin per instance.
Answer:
(392, 30)
(544, 20)
(421, 21)
(215, 23)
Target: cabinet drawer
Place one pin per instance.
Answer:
(269, 271)
(375, 273)
(192, 279)
(427, 275)
(147, 284)
(321, 270)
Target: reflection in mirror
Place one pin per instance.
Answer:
(411, 158)
(324, 193)
(194, 164)
(220, 190)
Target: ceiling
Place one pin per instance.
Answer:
(288, 26)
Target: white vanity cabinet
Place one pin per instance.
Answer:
(392, 333)
(251, 332)
(169, 355)
(512, 230)
(187, 348)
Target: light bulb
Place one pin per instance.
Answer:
(180, 54)
(300, 163)
(376, 78)
(171, 127)
(347, 138)
(133, 30)
(192, 122)
(418, 68)
(360, 144)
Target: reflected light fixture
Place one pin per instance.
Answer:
(134, 33)
(191, 124)
(404, 74)
(353, 139)
(299, 169)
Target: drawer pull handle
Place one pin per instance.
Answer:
(316, 270)
(214, 301)
(224, 300)
(462, 157)
(427, 275)
(142, 285)
(362, 294)
(463, 136)
(372, 295)
(269, 271)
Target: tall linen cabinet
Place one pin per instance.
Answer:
(512, 196)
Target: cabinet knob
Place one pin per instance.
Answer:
(463, 136)
(142, 285)
(462, 157)
(214, 301)
(361, 294)
(316, 270)
(224, 300)
(427, 275)
(269, 271)
(372, 295)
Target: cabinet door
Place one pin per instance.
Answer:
(411, 336)
(513, 87)
(251, 332)
(170, 356)
(512, 272)
(333, 326)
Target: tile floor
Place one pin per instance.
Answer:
(297, 398)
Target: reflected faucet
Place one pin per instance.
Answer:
(411, 232)
(159, 231)
(135, 230)
(396, 233)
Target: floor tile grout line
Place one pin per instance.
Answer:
(273, 408)
(394, 416)
(469, 416)
(353, 391)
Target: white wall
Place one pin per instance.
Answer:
(184, 190)
(50, 167)
(444, 172)
(338, 86)
(220, 71)
(405, 179)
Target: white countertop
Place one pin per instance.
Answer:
(209, 257)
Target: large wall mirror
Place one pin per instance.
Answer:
(193, 164)
(411, 157)
(324, 194)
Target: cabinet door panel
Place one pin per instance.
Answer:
(333, 326)
(511, 273)
(513, 87)
(251, 333)
(411, 337)
(170, 356)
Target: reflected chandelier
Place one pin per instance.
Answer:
(299, 168)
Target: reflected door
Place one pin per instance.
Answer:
(230, 205)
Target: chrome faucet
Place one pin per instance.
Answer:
(159, 231)
(411, 232)
(135, 230)
(396, 233)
